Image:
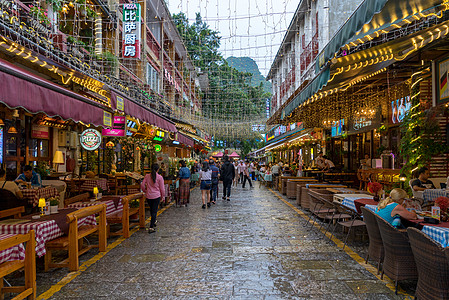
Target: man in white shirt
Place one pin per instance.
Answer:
(328, 164)
(320, 161)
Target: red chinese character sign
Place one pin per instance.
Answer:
(131, 30)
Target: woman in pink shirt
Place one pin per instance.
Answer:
(154, 189)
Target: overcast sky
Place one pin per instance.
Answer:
(253, 28)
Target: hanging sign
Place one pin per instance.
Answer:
(1, 145)
(107, 119)
(157, 148)
(90, 139)
(120, 103)
(118, 129)
(131, 30)
(39, 132)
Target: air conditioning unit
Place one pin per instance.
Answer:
(73, 140)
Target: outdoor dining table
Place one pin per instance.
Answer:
(46, 228)
(113, 204)
(438, 232)
(88, 184)
(33, 195)
(432, 194)
(16, 252)
(349, 200)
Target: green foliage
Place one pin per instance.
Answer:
(40, 14)
(230, 96)
(420, 140)
(248, 65)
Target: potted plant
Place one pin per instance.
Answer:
(443, 203)
(54, 203)
(375, 188)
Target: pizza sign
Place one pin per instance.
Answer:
(90, 139)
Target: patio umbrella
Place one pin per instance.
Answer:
(234, 154)
(218, 155)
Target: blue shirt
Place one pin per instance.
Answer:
(184, 173)
(215, 171)
(385, 213)
(35, 179)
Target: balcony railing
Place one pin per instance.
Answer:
(288, 82)
(309, 53)
(152, 43)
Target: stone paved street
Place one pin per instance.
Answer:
(253, 247)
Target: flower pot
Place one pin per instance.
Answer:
(53, 209)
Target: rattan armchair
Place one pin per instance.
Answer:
(399, 263)
(432, 265)
(376, 246)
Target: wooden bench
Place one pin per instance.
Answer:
(73, 242)
(15, 212)
(122, 217)
(29, 264)
(78, 198)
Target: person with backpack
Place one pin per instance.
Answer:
(215, 175)
(206, 183)
(227, 173)
(154, 189)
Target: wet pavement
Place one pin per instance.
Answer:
(252, 247)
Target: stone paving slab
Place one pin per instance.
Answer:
(252, 247)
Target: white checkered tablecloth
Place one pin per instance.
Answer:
(44, 230)
(350, 199)
(89, 184)
(439, 234)
(33, 195)
(16, 252)
(110, 207)
(432, 194)
(371, 207)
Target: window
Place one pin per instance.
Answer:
(152, 78)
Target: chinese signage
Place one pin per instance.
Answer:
(120, 103)
(399, 109)
(259, 127)
(90, 139)
(118, 129)
(280, 130)
(131, 30)
(107, 119)
(39, 132)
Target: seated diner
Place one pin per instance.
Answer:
(392, 206)
(29, 177)
(422, 183)
(9, 185)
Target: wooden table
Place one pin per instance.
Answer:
(292, 184)
(45, 229)
(302, 192)
(33, 195)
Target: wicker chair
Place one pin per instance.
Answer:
(376, 247)
(399, 263)
(433, 267)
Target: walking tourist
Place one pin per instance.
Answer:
(391, 209)
(206, 184)
(154, 189)
(246, 175)
(184, 184)
(275, 169)
(227, 174)
(240, 171)
(251, 171)
(215, 175)
(236, 178)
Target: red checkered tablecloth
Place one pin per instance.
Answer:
(110, 206)
(33, 195)
(89, 184)
(44, 230)
(16, 252)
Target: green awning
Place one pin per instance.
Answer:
(314, 86)
(371, 16)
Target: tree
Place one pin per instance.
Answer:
(231, 103)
